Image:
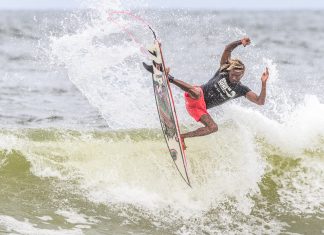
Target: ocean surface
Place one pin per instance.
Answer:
(81, 151)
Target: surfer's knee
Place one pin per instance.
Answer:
(213, 128)
(209, 123)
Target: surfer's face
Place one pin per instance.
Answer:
(236, 75)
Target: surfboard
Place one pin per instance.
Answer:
(166, 110)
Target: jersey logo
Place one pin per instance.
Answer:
(225, 88)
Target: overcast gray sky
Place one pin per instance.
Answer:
(204, 4)
(38, 4)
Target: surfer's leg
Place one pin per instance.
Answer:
(209, 127)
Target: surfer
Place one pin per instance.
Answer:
(225, 85)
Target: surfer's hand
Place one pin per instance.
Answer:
(167, 71)
(246, 41)
(265, 75)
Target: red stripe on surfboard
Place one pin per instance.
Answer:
(176, 117)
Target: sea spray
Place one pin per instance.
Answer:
(262, 173)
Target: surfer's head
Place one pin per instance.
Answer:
(235, 69)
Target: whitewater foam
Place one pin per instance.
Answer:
(300, 130)
(25, 227)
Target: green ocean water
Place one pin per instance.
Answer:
(50, 181)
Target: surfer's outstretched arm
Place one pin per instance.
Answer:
(260, 99)
(230, 47)
(193, 91)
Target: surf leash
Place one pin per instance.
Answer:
(171, 99)
(128, 32)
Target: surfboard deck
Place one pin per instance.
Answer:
(166, 110)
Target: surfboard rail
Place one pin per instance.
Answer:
(167, 111)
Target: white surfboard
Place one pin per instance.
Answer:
(167, 112)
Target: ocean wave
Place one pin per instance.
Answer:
(9, 224)
(234, 175)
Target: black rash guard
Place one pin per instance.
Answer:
(219, 89)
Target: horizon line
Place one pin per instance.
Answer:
(168, 8)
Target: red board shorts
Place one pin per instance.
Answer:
(196, 108)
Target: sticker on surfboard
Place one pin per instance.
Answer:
(166, 110)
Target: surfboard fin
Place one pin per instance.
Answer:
(154, 54)
(149, 68)
(152, 51)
